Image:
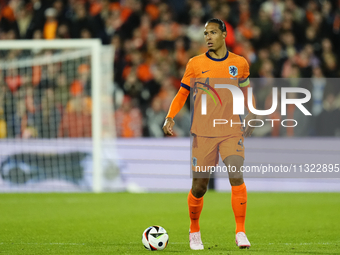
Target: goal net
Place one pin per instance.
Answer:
(56, 116)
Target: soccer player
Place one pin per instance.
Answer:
(227, 140)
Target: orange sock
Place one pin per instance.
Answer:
(195, 209)
(239, 204)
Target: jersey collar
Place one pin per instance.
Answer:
(217, 59)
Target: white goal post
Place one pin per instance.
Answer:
(95, 49)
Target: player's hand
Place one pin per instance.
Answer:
(249, 130)
(168, 125)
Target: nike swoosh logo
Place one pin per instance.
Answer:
(205, 71)
(243, 203)
(239, 150)
(194, 212)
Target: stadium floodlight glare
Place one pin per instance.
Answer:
(100, 62)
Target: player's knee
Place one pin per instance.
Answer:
(199, 191)
(199, 188)
(236, 181)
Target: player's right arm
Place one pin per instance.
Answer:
(179, 100)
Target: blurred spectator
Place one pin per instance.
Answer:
(76, 121)
(38, 17)
(297, 12)
(274, 8)
(264, 23)
(51, 24)
(38, 35)
(80, 21)
(29, 132)
(63, 32)
(133, 86)
(3, 125)
(59, 7)
(196, 9)
(49, 116)
(183, 123)
(223, 14)
(331, 115)
(82, 84)
(8, 18)
(62, 94)
(180, 54)
(318, 87)
(155, 118)
(129, 122)
(167, 31)
(24, 20)
(263, 55)
(141, 68)
(28, 120)
(14, 105)
(196, 29)
(278, 56)
(3, 128)
(330, 66)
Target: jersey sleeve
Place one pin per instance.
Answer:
(189, 73)
(178, 102)
(244, 80)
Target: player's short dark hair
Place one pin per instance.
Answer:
(220, 23)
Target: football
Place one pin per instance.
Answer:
(155, 238)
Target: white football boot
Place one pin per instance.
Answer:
(242, 240)
(196, 241)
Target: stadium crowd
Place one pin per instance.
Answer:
(294, 41)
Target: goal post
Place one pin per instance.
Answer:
(101, 80)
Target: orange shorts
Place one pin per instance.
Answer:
(205, 150)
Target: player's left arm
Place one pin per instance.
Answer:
(244, 84)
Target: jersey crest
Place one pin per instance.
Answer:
(233, 70)
(194, 161)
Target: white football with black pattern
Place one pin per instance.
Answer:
(155, 238)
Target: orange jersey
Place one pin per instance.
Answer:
(201, 76)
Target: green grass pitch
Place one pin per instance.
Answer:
(113, 223)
